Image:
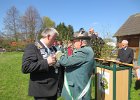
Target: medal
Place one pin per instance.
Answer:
(56, 70)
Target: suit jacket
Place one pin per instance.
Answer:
(126, 56)
(43, 79)
(78, 69)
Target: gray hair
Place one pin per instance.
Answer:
(125, 41)
(49, 31)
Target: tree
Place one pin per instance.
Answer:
(1, 34)
(70, 32)
(62, 29)
(24, 27)
(11, 22)
(34, 22)
(65, 32)
(47, 23)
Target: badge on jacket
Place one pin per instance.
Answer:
(44, 53)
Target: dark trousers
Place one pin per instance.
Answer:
(46, 98)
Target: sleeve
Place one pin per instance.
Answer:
(30, 61)
(131, 57)
(77, 59)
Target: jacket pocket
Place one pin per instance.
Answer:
(46, 81)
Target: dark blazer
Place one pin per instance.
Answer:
(126, 56)
(43, 79)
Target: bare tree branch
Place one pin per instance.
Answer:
(11, 22)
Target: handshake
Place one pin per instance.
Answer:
(53, 58)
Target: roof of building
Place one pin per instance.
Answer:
(130, 27)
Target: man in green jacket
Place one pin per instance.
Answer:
(78, 69)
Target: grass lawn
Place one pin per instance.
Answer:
(14, 84)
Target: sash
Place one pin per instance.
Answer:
(85, 90)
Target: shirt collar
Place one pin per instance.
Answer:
(41, 40)
(125, 48)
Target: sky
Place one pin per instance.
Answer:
(105, 16)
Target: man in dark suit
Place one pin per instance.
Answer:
(125, 54)
(39, 61)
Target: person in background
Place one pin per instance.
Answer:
(125, 54)
(81, 30)
(92, 34)
(137, 72)
(97, 42)
(60, 46)
(100, 40)
(39, 61)
(55, 43)
(65, 46)
(137, 66)
(78, 69)
(70, 48)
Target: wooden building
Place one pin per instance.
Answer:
(130, 31)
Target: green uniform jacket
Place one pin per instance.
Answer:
(78, 70)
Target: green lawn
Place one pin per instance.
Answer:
(14, 84)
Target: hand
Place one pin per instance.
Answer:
(51, 60)
(58, 55)
(136, 67)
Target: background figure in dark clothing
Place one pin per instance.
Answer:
(97, 42)
(125, 54)
(92, 34)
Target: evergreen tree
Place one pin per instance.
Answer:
(66, 32)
